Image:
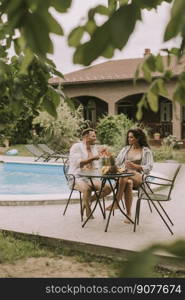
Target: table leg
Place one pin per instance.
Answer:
(114, 191)
(98, 195)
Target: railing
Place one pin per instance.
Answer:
(164, 128)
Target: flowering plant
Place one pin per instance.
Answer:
(171, 141)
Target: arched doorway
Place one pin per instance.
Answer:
(93, 108)
(160, 121)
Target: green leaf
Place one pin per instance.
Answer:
(172, 29)
(152, 100)
(49, 106)
(103, 10)
(53, 25)
(159, 63)
(90, 27)
(178, 94)
(57, 73)
(162, 89)
(26, 61)
(146, 72)
(122, 24)
(137, 72)
(150, 62)
(177, 248)
(89, 51)
(61, 5)
(168, 75)
(33, 35)
(139, 265)
(112, 4)
(140, 105)
(11, 7)
(182, 79)
(109, 52)
(175, 51)
(177, 22)
(123, 2)
(150, 3)
(154, 88)
(75, 36)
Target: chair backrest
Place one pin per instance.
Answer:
(66, 168)
(174, 178)
(34, 150)
(46, 149)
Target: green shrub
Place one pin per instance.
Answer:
(63, 130)
(172, 141)
(112, 130)
(163, 153)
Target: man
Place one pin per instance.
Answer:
(84, 156)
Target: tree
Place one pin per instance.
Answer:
(26, 26)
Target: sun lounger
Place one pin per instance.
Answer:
(52, 153)
(38, 153)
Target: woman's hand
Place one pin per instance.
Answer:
(130, 165)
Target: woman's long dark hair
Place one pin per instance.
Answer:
(140, 136)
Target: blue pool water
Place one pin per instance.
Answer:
(24, 178)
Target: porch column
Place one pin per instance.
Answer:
(176, 118)
(111, 108)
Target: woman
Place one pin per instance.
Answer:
(135, 157)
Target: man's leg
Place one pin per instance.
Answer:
(105, 191)
(86, 190)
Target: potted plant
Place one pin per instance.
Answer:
(157, 136)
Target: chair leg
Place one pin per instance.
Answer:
(161, 216)
(81, 207)
(165, 213)
(104, 206)
(137, 213)
(67, 202)
(149, 206)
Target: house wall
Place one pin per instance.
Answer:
(111, 92)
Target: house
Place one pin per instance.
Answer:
(107, 88)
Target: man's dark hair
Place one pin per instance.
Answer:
(86, 131)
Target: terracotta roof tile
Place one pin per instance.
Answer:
(122, 69)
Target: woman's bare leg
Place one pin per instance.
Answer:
(121, 190)
(133, 182)
(128, 199)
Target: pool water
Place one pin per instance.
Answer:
(26, 178)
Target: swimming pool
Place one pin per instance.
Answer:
(33, 181)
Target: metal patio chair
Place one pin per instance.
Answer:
(156, 197)
(71, 177)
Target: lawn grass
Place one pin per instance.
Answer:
(22, 151)
(13, 249)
